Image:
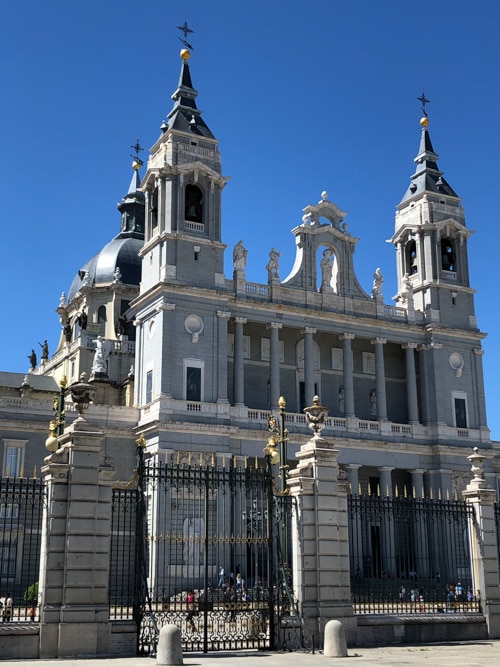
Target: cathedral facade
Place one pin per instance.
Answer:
(196, 360)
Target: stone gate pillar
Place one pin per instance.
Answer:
(320, 540)
(74, 569)
(484, 545)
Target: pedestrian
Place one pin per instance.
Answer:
(191, 605)
(32, 613)
(222, 573)
(6, 603)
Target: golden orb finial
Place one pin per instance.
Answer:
(136, 165)
(424, 122)
(185, 54)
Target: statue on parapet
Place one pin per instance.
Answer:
(273, 266)
(240, 256)
(102, 352)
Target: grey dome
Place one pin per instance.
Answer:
(122, 252)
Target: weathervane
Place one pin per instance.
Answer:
(137, 148)
(424, 101)
(185, 29)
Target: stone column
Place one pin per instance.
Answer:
(411, 382)
(380, 378)
(385, 481)
(320, 540)
(239, 368)
(352, 473)
(484, 540)
(309, 365)
(274, 363)
(417, 482)
(348, 374)
(74, 568)
(223, 318)
(138, 372)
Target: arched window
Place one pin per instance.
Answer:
(193, 205)
(411, 258)
(101, 320)
(153, 208)
(448, 257)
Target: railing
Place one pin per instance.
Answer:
(410, 556)
(256, 289)
(194, 226)
(393, 312)
(21, 512)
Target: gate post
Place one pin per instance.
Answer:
(74, 568)
(484, 547)
(320, 540)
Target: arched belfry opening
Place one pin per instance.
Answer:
(448, 255)
(193, 204)
(411, 258)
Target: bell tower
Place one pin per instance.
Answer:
(183, 186)
(431, 243)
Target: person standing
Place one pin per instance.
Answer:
(7, 604)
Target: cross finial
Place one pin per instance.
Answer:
(185, 29)
(424, 101)
(137, 148)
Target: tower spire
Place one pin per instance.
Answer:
(427, 177)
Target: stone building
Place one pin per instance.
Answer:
(193, 356)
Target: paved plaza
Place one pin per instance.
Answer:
(472, 654)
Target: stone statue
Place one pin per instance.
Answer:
(121, 325)
(326, 265)
(407, 291)
(240, 256)
(341, 400)
(373, 403)
(103, 349)
(32, 358)
(273, 266)
(45, 350)
(378, 279)
(82, 319)
(117, 275)
(68, 332)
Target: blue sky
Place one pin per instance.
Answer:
(303, 96)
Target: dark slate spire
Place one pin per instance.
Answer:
(132, 207)
(427, 177)
(185, 116)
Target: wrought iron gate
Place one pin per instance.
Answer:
(200, 546)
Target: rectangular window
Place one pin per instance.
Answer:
(8, 558)
(13, 459)
(369, 363)
(460, 413)
(193, 383)
(337, 358)
(149, 386)
(9, 511)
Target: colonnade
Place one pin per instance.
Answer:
(309, 370)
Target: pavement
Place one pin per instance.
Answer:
(469, 654)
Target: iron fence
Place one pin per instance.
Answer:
(410, 555)
(21, 514)
(122, 571)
